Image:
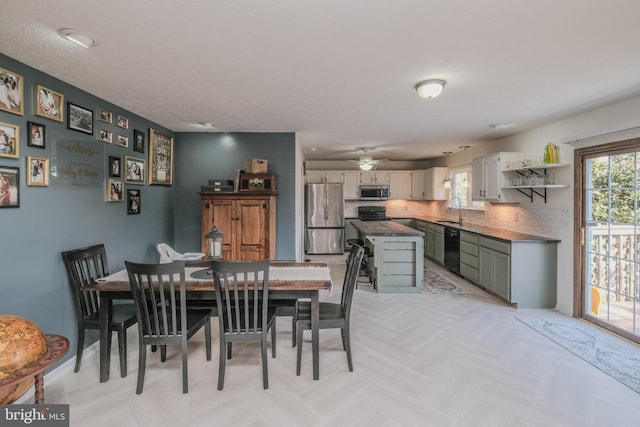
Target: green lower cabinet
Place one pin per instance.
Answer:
(495, 272)
(439, 244)
(522, 273)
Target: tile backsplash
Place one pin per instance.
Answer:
(543, 221)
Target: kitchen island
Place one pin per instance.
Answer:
(395, 255)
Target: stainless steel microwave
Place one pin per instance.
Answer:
(374, 192)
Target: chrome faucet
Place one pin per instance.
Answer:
(459, 208)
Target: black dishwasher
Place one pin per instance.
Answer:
(452, 249)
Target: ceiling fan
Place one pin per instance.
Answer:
(366, 161)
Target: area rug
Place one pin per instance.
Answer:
(438, 284)
(614, 356)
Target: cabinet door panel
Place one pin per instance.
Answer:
(221, 214)
(250, 225)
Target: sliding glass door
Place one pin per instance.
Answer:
(608, 249)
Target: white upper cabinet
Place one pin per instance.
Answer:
(417, 184)
(434, 184)
(351, 185)
(374, 177)
(400, 184)
(487, 179)
(314, 177)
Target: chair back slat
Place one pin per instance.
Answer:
(160, 296)
(83, 267)
(351, 277)
(239, 286)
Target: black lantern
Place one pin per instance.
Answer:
(213, 243)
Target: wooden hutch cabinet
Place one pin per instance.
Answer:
(247, 220)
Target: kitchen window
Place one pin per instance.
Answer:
(461, 188)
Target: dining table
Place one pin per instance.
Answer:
(287, 280)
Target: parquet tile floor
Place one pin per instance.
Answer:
(420, 360)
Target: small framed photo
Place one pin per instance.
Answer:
(105, 136)
(123, 122)
(11, 92)
(9, 187)
(36, 135)
(79, 118)
(115, 190)
(123, 141)
(9, 140)
(105, 116)
(115, 166)
(133, 202)
(134, 170)
(160, 158)
(49, 103)
(37, 171)
(138, 141)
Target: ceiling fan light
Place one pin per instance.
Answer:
(366, 166)
(430, 88)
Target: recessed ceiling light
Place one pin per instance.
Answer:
(499, 125)
(76, 37)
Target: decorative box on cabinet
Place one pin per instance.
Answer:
(248, 222)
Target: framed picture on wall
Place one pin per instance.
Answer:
(11, 92)
(105, 136)
(160, 158)
(105, 116)
(9, 187)
(115, 190)
(9, 140)
(138, 141)
(134, 170)
(79, 118)
(37, 171)
(115, 166)
(133, 202)
(49, 103)
(123, 141)
(36, 135)
(123, 122)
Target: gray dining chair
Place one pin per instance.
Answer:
(84, 266)
(160, 296)
(244, 313)
(332, 315)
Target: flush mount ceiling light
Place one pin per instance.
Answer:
(207, 125)
(76, 37)
(430, 88)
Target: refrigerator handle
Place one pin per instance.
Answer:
(326, 203)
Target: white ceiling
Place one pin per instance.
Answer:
(340, 73)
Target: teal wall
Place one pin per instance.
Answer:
(33, 281)
(204, 156)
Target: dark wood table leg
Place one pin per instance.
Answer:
(106, 313)
(315, 333)
(39, 386)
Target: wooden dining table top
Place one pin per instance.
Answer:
(285, 276)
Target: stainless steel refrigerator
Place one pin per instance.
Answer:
(324, 219)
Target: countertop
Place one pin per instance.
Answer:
(384, 228)
(496, 233)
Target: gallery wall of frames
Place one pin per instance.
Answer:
(75, 170)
